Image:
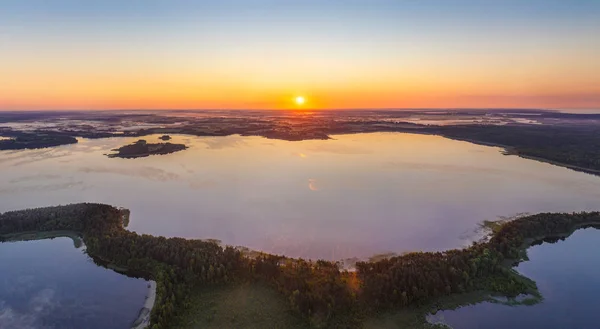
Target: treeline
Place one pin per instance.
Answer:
(319, 290)
(24, 141)
(175, 264)
(513, 236)
(419, 277)
(572, 145)
(416, 278)
(324, 294)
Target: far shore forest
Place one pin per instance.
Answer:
(576, 146)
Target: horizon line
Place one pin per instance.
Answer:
(307, 109)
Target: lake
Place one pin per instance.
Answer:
(352, 196)
(50, 284)
(566, 273)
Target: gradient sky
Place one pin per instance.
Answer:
(148, 54)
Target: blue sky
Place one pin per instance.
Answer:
(294, 37)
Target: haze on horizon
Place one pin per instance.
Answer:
(254, 54)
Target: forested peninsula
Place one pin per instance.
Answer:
(322, 293)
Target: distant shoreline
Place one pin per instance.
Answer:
(507, 137)
(510, 150)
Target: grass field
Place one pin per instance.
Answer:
(239, 306)
(258, 306)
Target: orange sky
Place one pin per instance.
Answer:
(336, 55)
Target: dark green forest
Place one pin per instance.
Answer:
(576, 146)
(23, 141)
(320, 291)
(141, 149)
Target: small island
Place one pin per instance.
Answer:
(142, 149)
(165, 138)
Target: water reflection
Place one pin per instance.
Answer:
(143, 172)
(36, 293)
(217, 143)
(33, 178)
(351, 196)
(73, 186)
(567, 276)
(338, 149)
(312, 184)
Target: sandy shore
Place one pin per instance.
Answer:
(143, 319)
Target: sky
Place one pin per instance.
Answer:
(255, 54)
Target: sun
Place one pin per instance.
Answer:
(300, 100)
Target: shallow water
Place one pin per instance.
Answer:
(50, 284)
(353, 196)
(566, 273)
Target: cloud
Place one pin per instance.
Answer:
(448, 168)
(42, 301)
(331, 147)
(150, 173)
(203, 184)
(33, 178)
(313, 185)
(39, 305)
(43, 188)
(188, 170)
(23, 157)
(223, 142)
(10, 319)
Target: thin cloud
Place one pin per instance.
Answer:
(150, 173)
(42, 303)
(313, 185)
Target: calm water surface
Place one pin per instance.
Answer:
(49, 284)
(567, 276)
(353, 196)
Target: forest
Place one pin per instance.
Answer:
(320, 291)
(141, 149)
(22, 141)
(575, 146)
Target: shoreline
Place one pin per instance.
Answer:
(510, 150)
(38, 235)
(476, 297)
(143, 319)
(103, 225)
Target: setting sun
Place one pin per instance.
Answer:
(300, 100)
